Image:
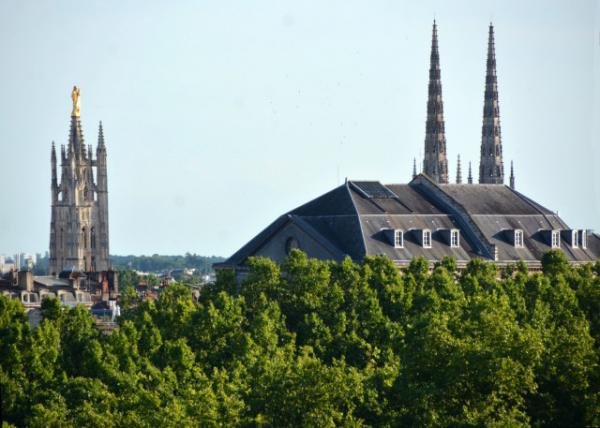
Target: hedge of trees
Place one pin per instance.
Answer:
(320, 344)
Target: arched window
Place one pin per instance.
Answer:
(85, 238)
(93, 238)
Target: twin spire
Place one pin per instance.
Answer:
(435, 162)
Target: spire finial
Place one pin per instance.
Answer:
(75, 95)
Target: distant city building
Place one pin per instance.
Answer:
(79, 219)
(428, 217)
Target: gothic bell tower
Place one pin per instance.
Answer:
(79, 212)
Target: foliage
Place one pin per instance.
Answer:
(320, 344)
(159, 263)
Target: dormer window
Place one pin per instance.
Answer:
(583, 238)
(575, 238)
(455, 238)
(555, 241)
(398, 238)
(518, 238)
(426, 238)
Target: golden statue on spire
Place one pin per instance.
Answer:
(75, 97)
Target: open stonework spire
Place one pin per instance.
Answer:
(435, 164)
(491, 167)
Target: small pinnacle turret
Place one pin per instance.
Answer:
(100, 135)
(414, 174)
(512, 176)
(470, 177)
(491, 167)
(458, 171)
(435, 164)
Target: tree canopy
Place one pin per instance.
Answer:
(321, 344)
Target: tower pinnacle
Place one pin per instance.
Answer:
(458, 171)
(435, 164)
(491, 166)
(512, 176)
(470, 177)
(100, 136)
(414, 168)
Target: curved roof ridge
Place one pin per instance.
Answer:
(362, 231)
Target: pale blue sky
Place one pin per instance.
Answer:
(221, 115)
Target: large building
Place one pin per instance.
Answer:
(78, 267)
(429, 217)
(79, 218)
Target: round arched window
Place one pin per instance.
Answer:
(290, 244)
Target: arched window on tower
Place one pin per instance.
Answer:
(85, 238)
(93, 238)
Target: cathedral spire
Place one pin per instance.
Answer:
(470, 177)
(435, 164)
(491, 167)
(512, 176)
(458, 171)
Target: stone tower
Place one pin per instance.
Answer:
(79, 214)
(491, 167)
(435, 164)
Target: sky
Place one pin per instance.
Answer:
(219, 116)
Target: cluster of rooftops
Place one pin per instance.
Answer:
(421, 218)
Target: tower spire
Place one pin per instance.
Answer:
(491, 166)
(458, 171)
(435, 164)
(470, 177)
(512, 175)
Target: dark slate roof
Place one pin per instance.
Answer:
(350, 219)
(492, 199)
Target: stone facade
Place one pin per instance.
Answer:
(79, 214)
